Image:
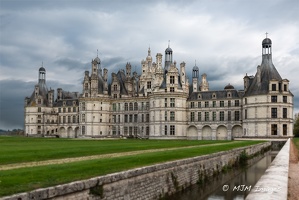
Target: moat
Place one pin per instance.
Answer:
(234, 184)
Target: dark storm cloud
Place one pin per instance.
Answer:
(224, 37)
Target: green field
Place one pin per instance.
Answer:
(296, 142)
(19, 150)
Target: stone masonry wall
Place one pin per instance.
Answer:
(150, 182)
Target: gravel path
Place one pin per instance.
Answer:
(83, 158)
(293, 192)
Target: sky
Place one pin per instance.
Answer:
(223, 38)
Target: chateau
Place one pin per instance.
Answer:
(161, 103)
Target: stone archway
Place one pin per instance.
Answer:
(192, 133)
(70, 132)
(77, 132)
(237, 131)
(207, 133)
(221, 133)
(62, 132)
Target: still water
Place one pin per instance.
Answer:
(235, 184)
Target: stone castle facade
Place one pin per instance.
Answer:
(160, 103)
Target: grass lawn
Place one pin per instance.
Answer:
(26, 179)
(22, 149)
(296, 142)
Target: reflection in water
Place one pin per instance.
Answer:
(235, 184)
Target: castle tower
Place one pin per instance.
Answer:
(195, 72)
(168, 59)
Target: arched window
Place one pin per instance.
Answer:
(135, 106)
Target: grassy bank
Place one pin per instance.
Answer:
(22, 149)
(296, 142)
(26, 179)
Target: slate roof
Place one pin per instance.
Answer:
(268, 72)
(208, 95)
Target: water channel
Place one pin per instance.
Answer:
(234, 184)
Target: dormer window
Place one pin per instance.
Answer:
(171, 79)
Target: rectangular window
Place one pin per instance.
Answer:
(165, 115)
(237, 115)
(165, 102)
(135, 106)
(135, 130)
(142, 118)
(221, 115)
(284, 113)
(273, 99)
(199, 116)
(273, 87)
(114, 107)
(172, 129)
(147, 106)
(214, 116)
(125, 130)
(64, 119)
(83, 105)
(172, 102)
(171, 79)
(64, 110)
(74, 109)
(74, 119)
(147, 117)
(207, 116)
(114, 118)
(135, 117)
(114, 130)
(284, 129)
(130, 118)
(192, 117)
(285, 99)
(206, 104)
(165, 130)
(69, 119)
(273, 129)
(59, 110)
(115, 87)
(172, 116)
(69, 109)
(171, 89)
(237, 103)
(199, 104)
(126, 106)
(285, 87)
(214, 104)
(192, 105)
(130, 106)
(221, 103)
(229, 103)
(273, 112)
(126, 118)
(229, 116)
(245, 114)
(149, 85)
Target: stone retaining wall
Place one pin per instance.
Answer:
(274, 183)
(150, 182)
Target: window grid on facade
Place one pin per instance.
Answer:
(284, 113)
(221, 115)
(206, 104)
(221, 103)
(273, 112)
(165, 102)
(214, 103)
(172, 116)
(172, 102)
(172, 129)
(207, 116)
(171, 79)
(192, 117)
(237, 103)
(199, 104)
(165, 116)
(115, 87)
(165, 130)
(192, 105)
(273, 99)
(214, 116)
(131, 106)
(126, 106)
(284, 129)
(114, 107)
(149, 85)
(135, 106)
(199, 116)
(285, 99)
(229, 116)
(171, 89)
(273, 129)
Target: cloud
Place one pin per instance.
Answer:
(224, 37)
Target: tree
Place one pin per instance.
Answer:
(296, 127)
